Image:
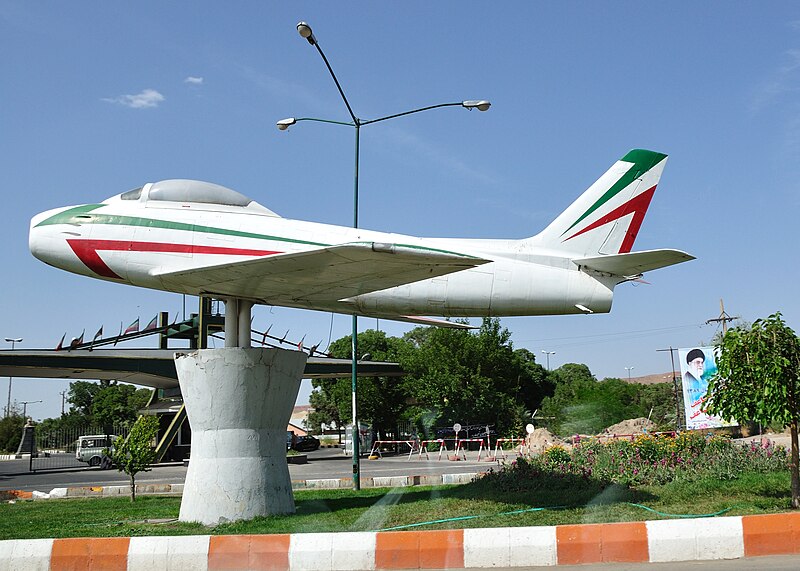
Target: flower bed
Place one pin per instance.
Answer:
(646, 460)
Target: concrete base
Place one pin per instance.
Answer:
(238, 402)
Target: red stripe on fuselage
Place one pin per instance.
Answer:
(637, 206)
(87, 251)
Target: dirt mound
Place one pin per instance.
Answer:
(631, 426)
(541, 439)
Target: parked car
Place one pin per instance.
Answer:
(90, 449)
(305, 444)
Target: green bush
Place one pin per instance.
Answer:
(10, 433)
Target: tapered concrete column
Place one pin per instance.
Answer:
(245, 312)
(231, 322)
(238, 402)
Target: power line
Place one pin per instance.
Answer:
(578, 340)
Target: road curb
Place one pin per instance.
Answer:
(177, 489)
(634, 542)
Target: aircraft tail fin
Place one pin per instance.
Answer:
(606, 218)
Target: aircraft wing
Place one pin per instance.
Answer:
(634, 263)
(424, 320)
(322, 275)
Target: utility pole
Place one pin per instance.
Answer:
(723, 318)
(63, 400)
(672, 350)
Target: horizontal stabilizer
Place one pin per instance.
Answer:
(323, 275)
(634, 263)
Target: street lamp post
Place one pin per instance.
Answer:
(305, 31)
(548, 353)
(13, 341)
(629, 369)
(25, 404)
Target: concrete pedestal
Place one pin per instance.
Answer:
(238, 401)
(27, 444)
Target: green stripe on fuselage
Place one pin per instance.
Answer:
(78, 215)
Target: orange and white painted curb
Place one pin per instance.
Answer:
(650, 541)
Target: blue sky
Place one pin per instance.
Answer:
(99, 97)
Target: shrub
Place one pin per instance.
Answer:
(647, 459)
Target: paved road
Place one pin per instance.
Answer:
(322, 464)
(774, 563)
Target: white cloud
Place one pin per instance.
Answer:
(193, 80)
(147, 98)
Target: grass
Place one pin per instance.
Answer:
(568, 500)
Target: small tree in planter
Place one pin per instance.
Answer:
(758, 378)
(135, 453)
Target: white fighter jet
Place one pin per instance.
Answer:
(203, 239)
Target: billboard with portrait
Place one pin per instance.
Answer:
(698, 365)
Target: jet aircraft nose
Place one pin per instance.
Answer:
(48, 236)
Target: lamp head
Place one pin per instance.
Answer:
(305, 31)
(480, 105)
(284, 124)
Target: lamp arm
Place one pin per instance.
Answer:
(324, 121)
(459, 104)
(336, 81)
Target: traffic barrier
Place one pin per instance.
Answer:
(424, 448)
(498, 445)
(460, 448)
(376, 446)
(651, 541)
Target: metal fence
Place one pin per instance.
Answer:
(56, 449)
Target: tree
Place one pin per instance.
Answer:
(104, 404)
(380, 399)
(570, 409)
(758, 378)
(81, 396)
(135, 453)
(457, 375)
(118, 404)
(583, 405)
(11, 432)
(331, 402)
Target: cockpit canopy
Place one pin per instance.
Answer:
(193, 191)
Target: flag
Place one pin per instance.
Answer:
(60, 345)
(152, 325)
(98, 335)
(300, 345)
(118, 336)
(133, 327)
(76, 341)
